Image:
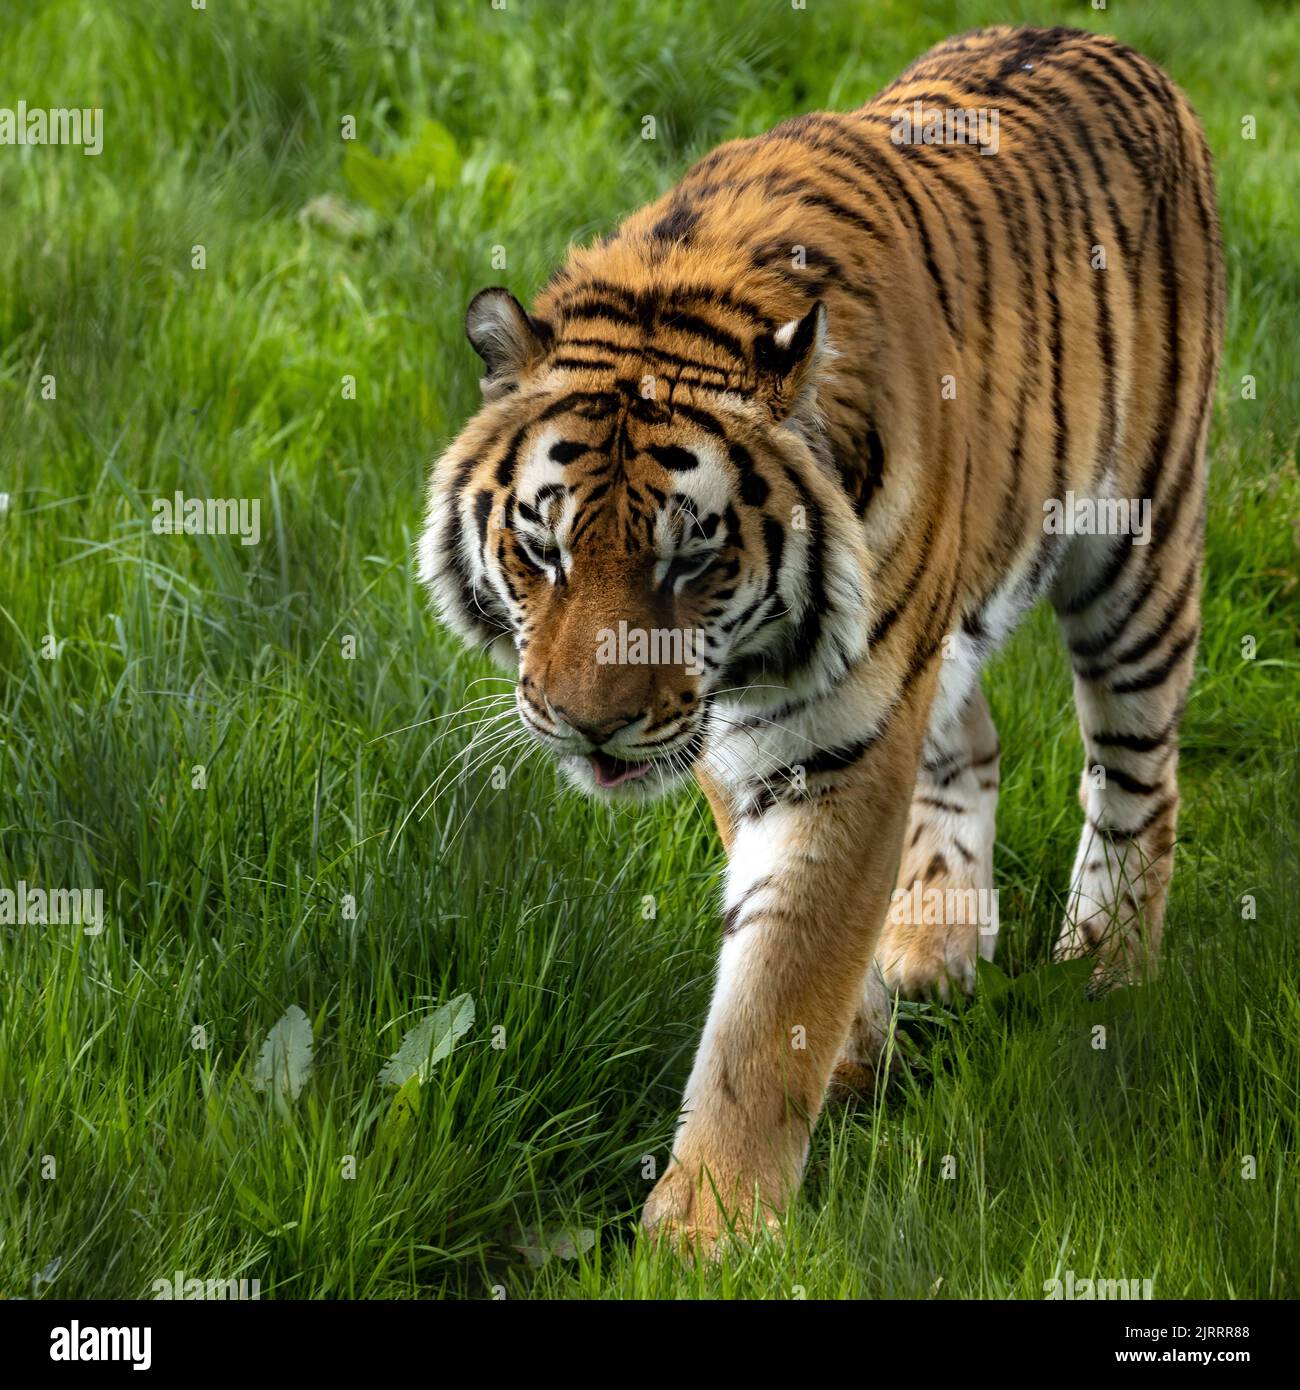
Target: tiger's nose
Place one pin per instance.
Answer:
(598, 732)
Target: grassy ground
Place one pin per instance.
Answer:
(126, 1151)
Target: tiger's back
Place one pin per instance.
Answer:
(1008, 328)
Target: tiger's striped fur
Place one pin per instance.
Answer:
(815, 403)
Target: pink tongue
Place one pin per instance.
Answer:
(610, 772)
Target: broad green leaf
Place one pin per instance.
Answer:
(430, 157)
(537, 1246)
(285, 1061)
(405, 1107)
(991, 980)
(372, 179)
(429, 1042)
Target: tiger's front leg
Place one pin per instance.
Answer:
(808, 882)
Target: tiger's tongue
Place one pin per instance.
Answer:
(612, 772)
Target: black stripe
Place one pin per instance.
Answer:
(764, 796)
(840, 212)
(831, 144)
(875, 478)
(1148, 680)
(581, 364)
(644, 306)
(1159, 632)
(589, 404)
(482, 510)
(839, 758)
(506, 467)
(677, 225)
(809, 630)
(695, 326)
(645, 350)
(774, 545)
(820, 264)
(707, 422)
(1113, 833)
(1137, 743)
(890, 616)
(673, 457)
(754, 487)
(597, 309)
(1125, 781)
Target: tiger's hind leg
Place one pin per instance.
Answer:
(1128, 595)
(1133, 663)
(943, 915)
(944, 912)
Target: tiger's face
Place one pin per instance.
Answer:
(646, 553)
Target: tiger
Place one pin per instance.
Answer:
(839, 408)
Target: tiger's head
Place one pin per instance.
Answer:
(645, 527)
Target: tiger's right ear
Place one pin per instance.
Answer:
(506, 336)
(790, 361)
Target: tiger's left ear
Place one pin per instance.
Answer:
(506, 336)
(789, 363)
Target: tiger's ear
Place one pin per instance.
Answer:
(506, 336)
(789, 363)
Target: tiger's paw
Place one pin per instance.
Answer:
(873, 1052)
(938, 958)
(854, 1080)
(1118, 951)
(684, 1213)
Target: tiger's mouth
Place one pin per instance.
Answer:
(636, 774)
(611, 772)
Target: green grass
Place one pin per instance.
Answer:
(227, 904)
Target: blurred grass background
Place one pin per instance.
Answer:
(483, 134)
